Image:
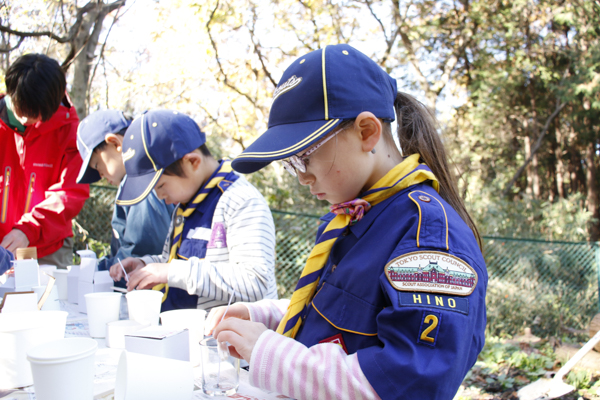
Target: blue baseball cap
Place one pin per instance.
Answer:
(315, 94)
(91, 133)
(152, 142)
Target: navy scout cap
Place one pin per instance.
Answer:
(91, 133)
(152, 142)
(315, 94)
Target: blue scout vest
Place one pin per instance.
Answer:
(190, 247)
(410, 344)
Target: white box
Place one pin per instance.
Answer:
(159, 341)
(27, 275)
(73, 284)
(101, 282)
(8, 286)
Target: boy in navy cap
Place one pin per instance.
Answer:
(222, 236)
(137, 230)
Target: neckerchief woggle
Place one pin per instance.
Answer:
(408, 173)
(189, 210)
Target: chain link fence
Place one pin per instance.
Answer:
(551, 287)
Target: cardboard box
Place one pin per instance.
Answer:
(73, 284)
(90, 279)
(159, 341)
(27, 275)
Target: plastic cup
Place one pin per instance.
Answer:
(102, 307)
(64, 369)
(61, 283)
(116, 331)
(220, 372)
(140, 376)
(193, 321)
(19, 332)
(144, 305)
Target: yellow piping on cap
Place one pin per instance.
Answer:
(325, 84)
(144, 143)
(143, 195)
(293, 148)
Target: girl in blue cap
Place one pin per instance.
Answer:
(391, 301)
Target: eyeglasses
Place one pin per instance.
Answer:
(298, 163)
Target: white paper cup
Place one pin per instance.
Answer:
(116, 331)
(220, 375)
(140, 376)
(102, 307)
(51, 302)
(193, 321)
(19, 332)
(144, 305)
(64, 369)
(61, 283)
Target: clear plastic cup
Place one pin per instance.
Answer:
(220, 371)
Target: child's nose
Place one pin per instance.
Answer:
(305, 178)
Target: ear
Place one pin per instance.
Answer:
(194, 159)
(114, 140)
(370, 129)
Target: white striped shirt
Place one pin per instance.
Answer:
(246, 265)
(284, 365)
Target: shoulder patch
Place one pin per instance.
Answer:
(429, 300)
(224, 185)
(433, 272)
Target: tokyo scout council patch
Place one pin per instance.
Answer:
(431, 271)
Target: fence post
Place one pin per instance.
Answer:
(597, 252)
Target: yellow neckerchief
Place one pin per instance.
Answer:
(409, 172)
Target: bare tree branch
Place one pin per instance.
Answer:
(101, 55)
(535, 148)
(225, 79)
(256, 45)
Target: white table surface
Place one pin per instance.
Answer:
(107, 360)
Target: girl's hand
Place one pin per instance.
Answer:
(214, 317)
(242, 335)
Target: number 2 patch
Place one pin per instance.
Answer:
(430, 326)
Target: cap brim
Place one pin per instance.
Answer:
(137, 188)
(281, 142)
(87, 174)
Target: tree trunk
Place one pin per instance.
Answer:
(590, 182)
(527, 145)
(87, 37)
(560, 165)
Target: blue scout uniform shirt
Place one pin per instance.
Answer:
(193, 244)
(138, 230)
(411, 344)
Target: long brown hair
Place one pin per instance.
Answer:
(417, 133)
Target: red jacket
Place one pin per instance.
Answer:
(38, 192)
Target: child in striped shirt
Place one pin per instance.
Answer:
(222, 237)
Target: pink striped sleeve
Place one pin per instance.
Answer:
(268, 311)
(324, 371)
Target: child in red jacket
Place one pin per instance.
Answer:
(39, 161)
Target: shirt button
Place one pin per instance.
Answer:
(346, 232)
(333, 268)
(424, 199)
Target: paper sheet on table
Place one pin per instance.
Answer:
(245, 390)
